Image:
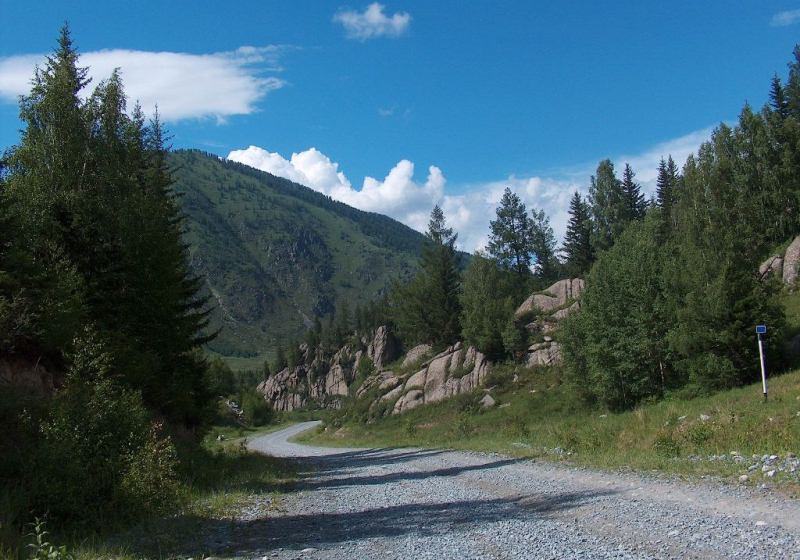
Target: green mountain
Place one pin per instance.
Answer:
(276, 254)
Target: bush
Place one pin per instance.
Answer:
(257, 411)
(99, 432)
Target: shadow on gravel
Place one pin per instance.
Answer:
(372, 480)
(329, 464)
(245, 538)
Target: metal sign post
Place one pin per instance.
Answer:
(761, 330)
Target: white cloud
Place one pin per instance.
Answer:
(185, 86)
(372, 22)
(787, 17)
(398, 195)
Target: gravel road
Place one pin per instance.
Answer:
(418, 503)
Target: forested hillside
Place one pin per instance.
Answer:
(275, 255)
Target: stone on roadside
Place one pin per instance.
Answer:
(487, 401)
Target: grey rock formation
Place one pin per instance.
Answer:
(549, 308)
(791, 262)
(416, 354)
(325, 381)
(553, 298)
(384, 348)
(773, 266)
(456, 370)
(544, 354)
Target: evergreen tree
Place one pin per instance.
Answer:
(543, 244)
(577, 250)
(93, 196)
(777, 98)
(487, 303)
(667, 189)
(428, 308)
(510, 241)
(635, 204)
(608, 205)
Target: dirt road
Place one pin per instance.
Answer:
(416, 503)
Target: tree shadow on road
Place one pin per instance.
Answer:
(246, 538)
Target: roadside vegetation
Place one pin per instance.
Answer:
(538, 416)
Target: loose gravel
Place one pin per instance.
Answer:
(417, 503)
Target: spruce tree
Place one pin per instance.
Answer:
(777, 98)
(428, 308)
(635, 204)
(577, 249)
(510, 241)
(667, 190)
(543, 244)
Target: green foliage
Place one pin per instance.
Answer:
(257, 411)
(614, 347)
(608, 205)
(515, 339)
(97, 239)
(510, 240)
(578, 250)
(274, 251)
(487, 304)
(543, 245)
(428, 308)
(41, 548)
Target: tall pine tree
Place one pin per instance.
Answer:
(577, 250)
(635, 203)
(510, 241)
(428, 308)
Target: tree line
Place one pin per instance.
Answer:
(673, 293)
(95, 288)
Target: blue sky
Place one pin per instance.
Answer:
(527, 94)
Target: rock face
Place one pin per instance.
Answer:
(544, 354)
(548, 309)
(26, 374)
(384, 347)
(456, 370)
(553, 298)
(783, 266)
(416, 354)
(324, 381)
(791, 262)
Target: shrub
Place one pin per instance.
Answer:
(257, 411)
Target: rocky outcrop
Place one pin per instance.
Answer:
(455, 371)
(548, 309)
(416, 354)
(783, 266)
(553, 298)
(547, 353)
(384, 348)
(322, 380)
(791, 262)
(27, 374)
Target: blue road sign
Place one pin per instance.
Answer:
(761, 329)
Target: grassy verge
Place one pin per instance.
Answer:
(535, 416)
(221, 479)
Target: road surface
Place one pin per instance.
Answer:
(419, 503)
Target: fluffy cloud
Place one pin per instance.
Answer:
(185, 86)
(788, 17)
(398, 195)
(372, 23)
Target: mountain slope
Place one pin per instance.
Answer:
(276, 254)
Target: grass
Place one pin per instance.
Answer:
(220, 477)
(536, 417)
